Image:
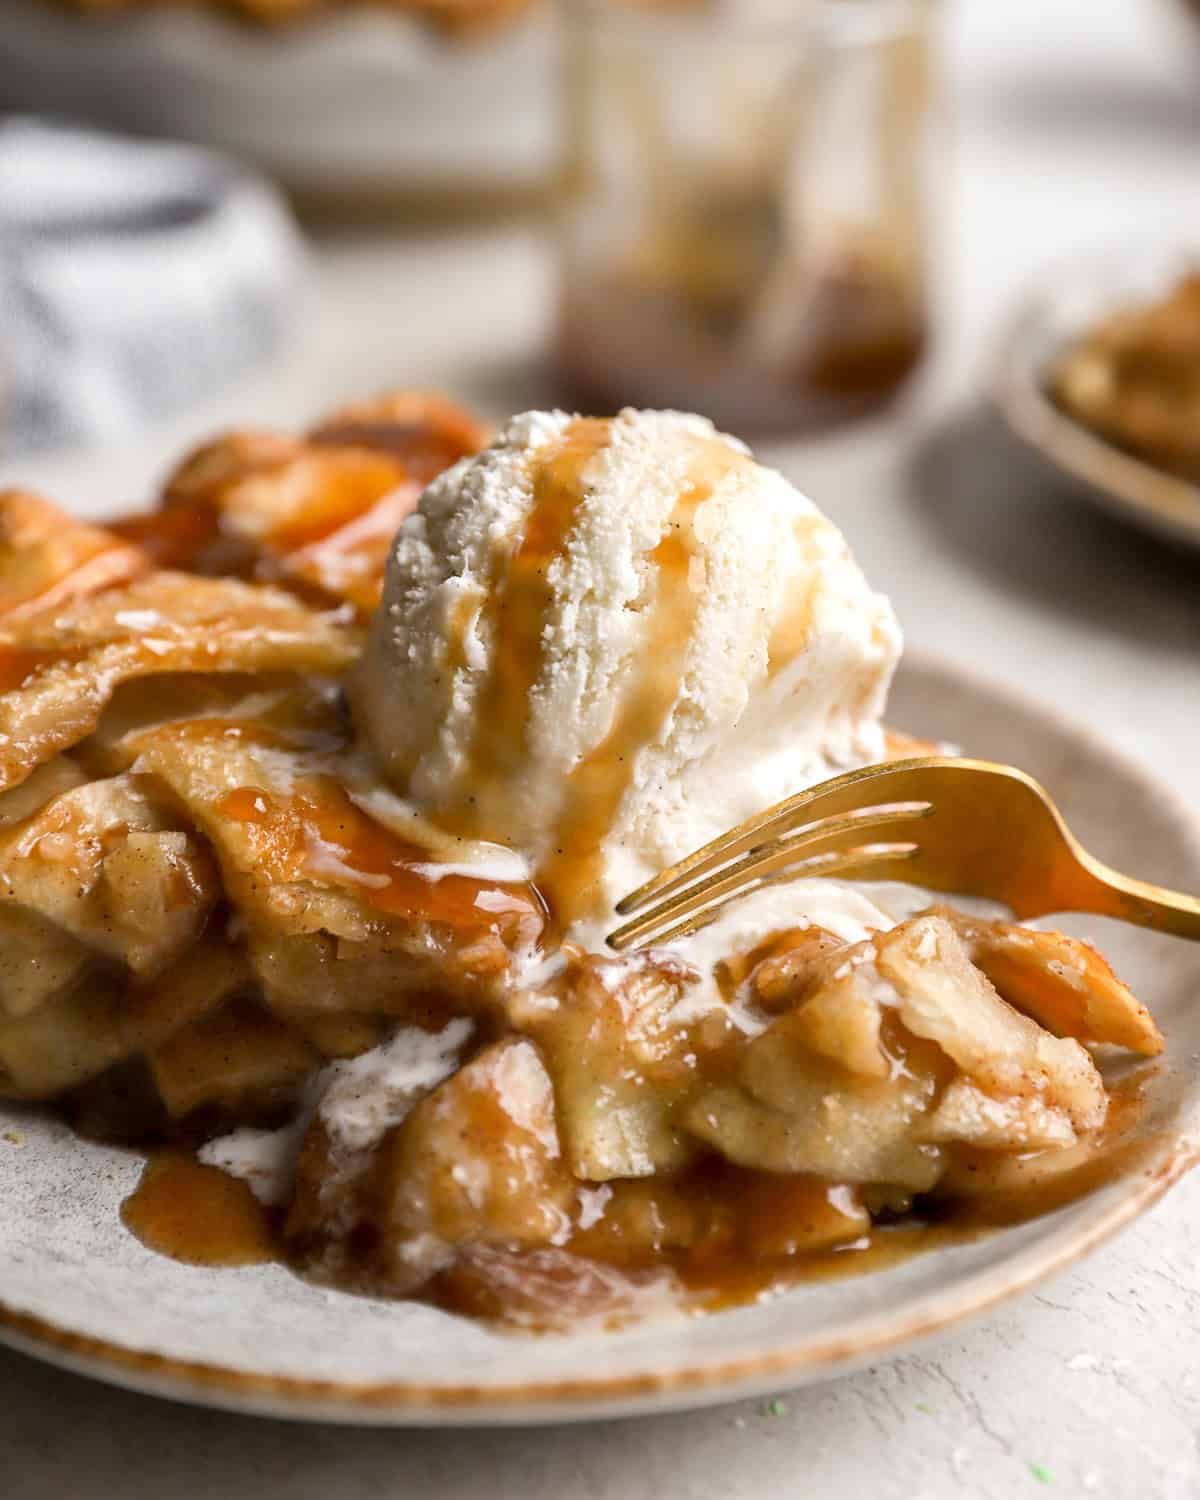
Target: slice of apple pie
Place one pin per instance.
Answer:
(228, 932)
(452, 18)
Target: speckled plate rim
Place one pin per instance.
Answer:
(413, 1403)
(1126, 487)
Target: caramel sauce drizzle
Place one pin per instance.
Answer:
(792, 630)
(571, 874)
(518, 608)
(311, 830)
(290, 833)
(521, 606)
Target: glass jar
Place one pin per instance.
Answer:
(744, 225)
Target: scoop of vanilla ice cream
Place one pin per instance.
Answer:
(606, 642)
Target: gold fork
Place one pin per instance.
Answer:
(965, 826)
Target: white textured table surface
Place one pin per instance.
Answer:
(1074, 125)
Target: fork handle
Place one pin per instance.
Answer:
(1109, 893)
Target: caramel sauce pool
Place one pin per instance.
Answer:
(198, 1214)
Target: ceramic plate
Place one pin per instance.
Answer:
(75, 1288)
(1064, 306)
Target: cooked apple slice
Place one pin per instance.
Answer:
(99, 1017)
(103, 863)
(1004, 1185)
(240, 1060)
(210, 973)
(793, 1111)
(54, 776)
(66, 1041)
(476, 1162)
(793, 964)
(618, 1066)
(843, 1019)
(37, 961)
(1014, 1122)
(943, 997)
(1064, 984)
(341, 912)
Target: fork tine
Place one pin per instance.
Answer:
(847, 865)
(816, 837)
(801, 808)
(795, 825)
(826, 836)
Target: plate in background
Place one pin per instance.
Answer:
(77, 1289)
(1064, 305)
(363, 105)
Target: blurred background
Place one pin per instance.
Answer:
(884, 240)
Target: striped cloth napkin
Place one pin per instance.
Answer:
(134, 278)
